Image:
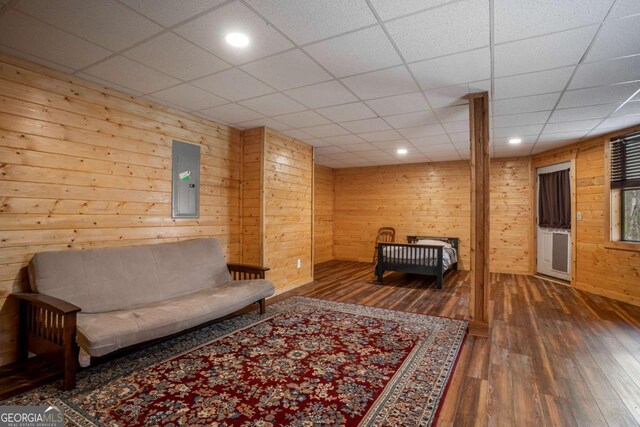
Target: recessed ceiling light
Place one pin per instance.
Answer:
(237, 39)
(515, 141)
(402, 151)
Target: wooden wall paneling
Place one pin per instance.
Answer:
(86, 167)
(480, 213)
(253, 196)
(288, 210)
(323, 202)
(422, 199)
(599, 268)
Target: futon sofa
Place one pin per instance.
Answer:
(111, 298)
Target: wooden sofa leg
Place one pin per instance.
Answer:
(263, 306)
(70, 353)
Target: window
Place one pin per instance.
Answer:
(624, 187)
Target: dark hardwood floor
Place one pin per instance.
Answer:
(555, 356)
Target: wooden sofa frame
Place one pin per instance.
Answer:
(47, 325)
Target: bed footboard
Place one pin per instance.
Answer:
(410, 258)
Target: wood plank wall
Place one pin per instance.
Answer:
(433, 199)
(252, 195)
(288, 210)
(601, 270)
(86, 167)
(323, 206)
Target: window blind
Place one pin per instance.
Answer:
(625, 161)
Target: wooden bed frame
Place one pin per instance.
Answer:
(416, 259)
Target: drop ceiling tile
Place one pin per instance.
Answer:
(614, 123)
(561, 136)
(389, 146)
(419, 131)
(598, 95)
(366, 125)
(625, 8)
(384, 135)
(513, 150)
(393, 9)
(448, 96)
(399, 104)
(453, 69)
(322, 95)
(130, 74)
(287, 70)
(47, 42)
(453, 114)
(378, 84)
(355, 53)
(462, 137)
(616, 38)
(542, 147)
(632, 107)
(455, 127)
(209, 30)
(189, 97)
(357, 148)
(526, 140)
(526, 104)
(273, 104)
(324, 151)
(532, 84)
(514, 20)
(303, 119)
(106, 23)
(36, 60)
(233, 84)
(575, 126)
(411, 119)
(347, 112)
(176, 57)
(323, 131)
(171, 12)
(108, 85)
(344, 140)
(430, 149)
(517, 132)
(607, 72)
(544, 52)
(431, 140)
(582, 113)
(232, 113)
(268, 122)
(521, 119)
(306, 21)
(449, 29)
(444, 157)
(317, 142)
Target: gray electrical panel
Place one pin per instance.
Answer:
(185, 187)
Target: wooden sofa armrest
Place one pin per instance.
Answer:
(52, 304)
(48, 328)
(246, 272)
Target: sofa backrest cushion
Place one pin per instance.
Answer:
(108, 279)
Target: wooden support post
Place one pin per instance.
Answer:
(480, 203)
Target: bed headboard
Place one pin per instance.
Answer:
(453, 241)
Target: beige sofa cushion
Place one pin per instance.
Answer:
(101, 280)
(102, 333)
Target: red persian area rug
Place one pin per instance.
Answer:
(305, 363)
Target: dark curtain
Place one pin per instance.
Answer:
(554, 204)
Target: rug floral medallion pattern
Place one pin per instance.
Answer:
(306, 363)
